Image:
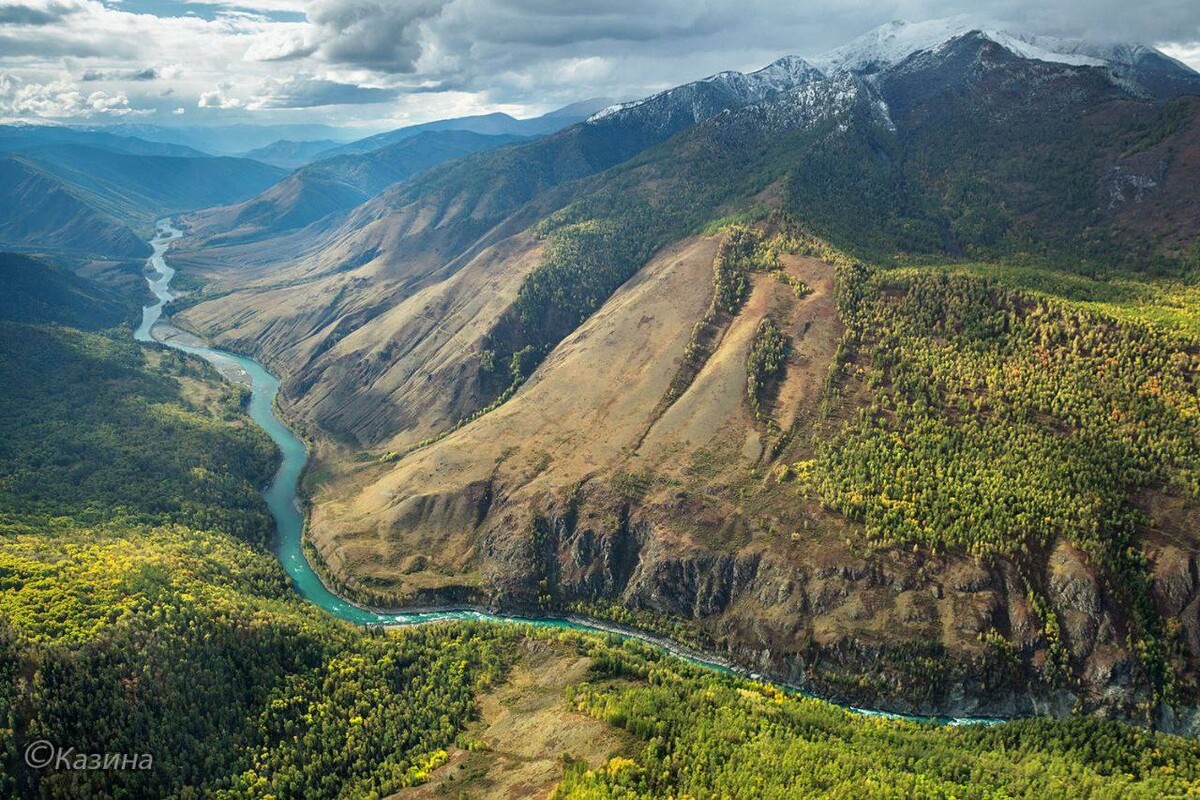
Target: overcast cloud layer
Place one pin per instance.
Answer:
(382, 63)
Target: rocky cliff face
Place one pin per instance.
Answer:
(891, 629)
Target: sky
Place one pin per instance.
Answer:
(376, 64)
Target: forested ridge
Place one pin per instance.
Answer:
(995, 424)
(703, 735)
(140, 612)
(961, 176)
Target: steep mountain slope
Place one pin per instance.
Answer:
(336, 184)
(140, 188)
(673, 405)
(36, 291)
(419, 233)
(608, 138)
(44, 213)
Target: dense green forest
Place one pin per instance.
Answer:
(140, 612)
(36, 290)
(996, 423)
(703, 735)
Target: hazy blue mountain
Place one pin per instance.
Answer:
(229, 140)
(94, 202)
(26, 137)
(139, 188)
(44, 213)
(291, 154)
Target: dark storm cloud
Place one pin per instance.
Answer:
(512, 49)
(313, 93)
(377, 35)
(467, 56)
(551, 24)
(19, 14)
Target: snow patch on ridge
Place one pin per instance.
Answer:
(891, 43)
(752, 87)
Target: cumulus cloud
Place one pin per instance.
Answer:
(217, 98)
(281, 45)
(309, 92)
(59, 99)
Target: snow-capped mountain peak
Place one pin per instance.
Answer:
(890, 44)
(728, 89)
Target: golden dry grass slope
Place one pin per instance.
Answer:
(592, 486)
(526, 729)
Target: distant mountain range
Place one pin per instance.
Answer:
(348, 175)
(87, 191)
(292, 154)
(496, 124)
(27, 137)
(336, 184)
(96, 202)
(228, 140)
